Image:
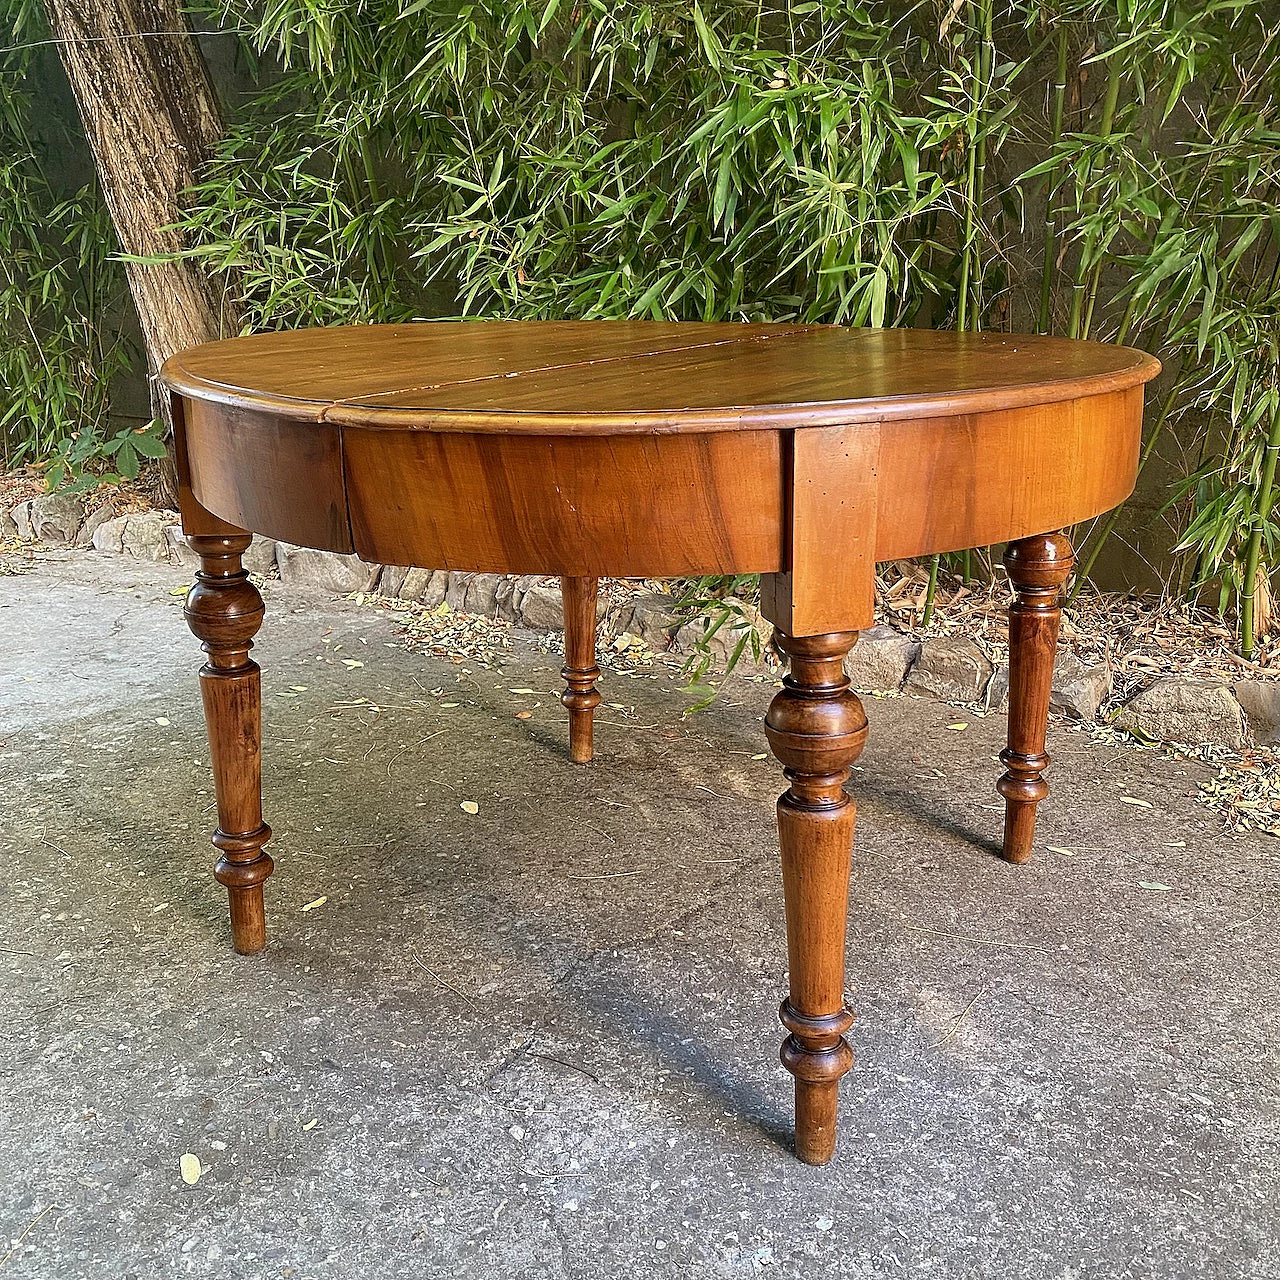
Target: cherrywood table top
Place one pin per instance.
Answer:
(623, 377)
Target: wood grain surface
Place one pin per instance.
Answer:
(615, 377)
(631, 506)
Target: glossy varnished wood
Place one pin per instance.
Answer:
(832, 513)
(974, 479)
(1038, 567)
(224, 611)
(634, 506)
(268, 473)
(610, 449)
(580, 671)
(621, 377)
(804, 453)
(817, 729)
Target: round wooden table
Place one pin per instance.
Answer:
(805, 453)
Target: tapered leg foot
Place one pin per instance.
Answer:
(817, 729)
(580, 670)
(1037, 568)
(224, 611)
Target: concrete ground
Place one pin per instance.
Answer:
(540, 1040)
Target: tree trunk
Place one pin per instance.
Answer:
(152, 119)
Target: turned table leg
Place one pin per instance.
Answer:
(816, 728)
(1037, 568)
(580, 670)
(224, 610)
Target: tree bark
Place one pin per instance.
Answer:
(152, 119)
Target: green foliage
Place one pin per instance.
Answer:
(60, 290)
(660, 160)
(1095, 168)
(1191, 219)
(83, 460)
(719, 604)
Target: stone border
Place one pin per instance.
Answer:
(953, 669)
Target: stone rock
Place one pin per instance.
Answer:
(391, 581)
(433, 592)
(144, 535)
(728, 635)
(649, 616)
(1079, 687)
(52, 518)
(512, 593)
(328, 570)
(1192, 712)
(109, 535)
(141, 534)
(8, 526)
(179, 553)
(261, 556)
(542, 608)
(951, 668)
(473, 593)
(455, 595)
(414, 583)
(425, 586)
(880, 660)
(509, 599)
(482, 594)
(93, 522)
(1260, 701)
(21, 517)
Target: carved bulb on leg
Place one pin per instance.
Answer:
(580, 671)
(817, 728)
(224, 611)
(1037, 568)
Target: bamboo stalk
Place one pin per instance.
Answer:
(1253, 550)
(1049, 267)
(979, 180)
(1105, 125)
(931, 591)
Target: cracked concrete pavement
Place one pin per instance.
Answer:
(541, 1040)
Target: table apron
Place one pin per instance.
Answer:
(812, 508)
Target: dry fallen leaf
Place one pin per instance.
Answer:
(524, 691)
(311, 1124)
(959, 726)
(352, 662)
(1142, 804)
(189, 1167)
(1053, 848)
(469, 806)
(161, 720)
(524, 715)
(319, 902)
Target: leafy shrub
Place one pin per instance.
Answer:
(62, 294)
